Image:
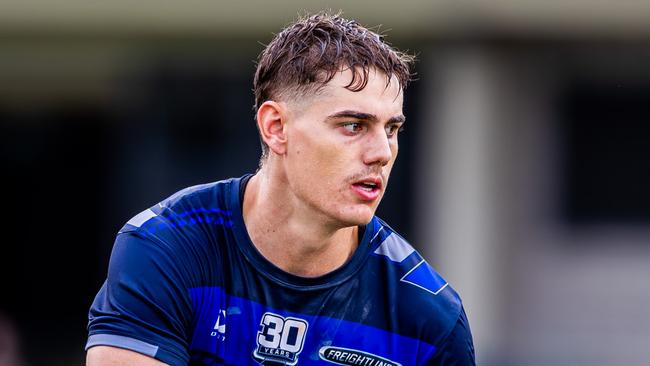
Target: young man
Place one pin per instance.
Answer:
(290, 265)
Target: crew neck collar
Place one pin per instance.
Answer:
(274, 273)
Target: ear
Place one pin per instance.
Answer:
(271, 118)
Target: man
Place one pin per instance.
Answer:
(288, 266)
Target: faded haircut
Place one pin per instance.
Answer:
(308, 53)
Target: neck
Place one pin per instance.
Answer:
(291, 235)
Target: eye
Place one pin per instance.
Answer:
(393, 129)
(353, 127)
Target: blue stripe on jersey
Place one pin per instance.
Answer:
(151, 221)
(424, 277)
(418, 272)
(227, 327)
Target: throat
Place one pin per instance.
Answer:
(292, 242)
(304, 255)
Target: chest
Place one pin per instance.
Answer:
(345, 326)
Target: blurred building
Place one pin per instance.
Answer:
(522, 174)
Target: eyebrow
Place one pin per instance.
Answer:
(365, 116)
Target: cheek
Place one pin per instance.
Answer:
(316, 152)
(308, 163)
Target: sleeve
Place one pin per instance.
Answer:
(144, 305)
(458, 348)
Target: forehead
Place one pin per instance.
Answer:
(378, 85)
(380, 96)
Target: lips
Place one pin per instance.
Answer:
(367, 189)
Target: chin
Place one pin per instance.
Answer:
(358, 217)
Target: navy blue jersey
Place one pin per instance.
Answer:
(187, 286)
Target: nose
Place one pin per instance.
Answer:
(378, 151)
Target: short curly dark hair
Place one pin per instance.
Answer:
(308, 53)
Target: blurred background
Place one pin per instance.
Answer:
(523, 173)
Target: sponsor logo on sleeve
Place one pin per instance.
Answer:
(280, 340)
(346, 356)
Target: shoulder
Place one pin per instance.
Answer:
(146, 304)
(178, 210)
(193, 211)
(426, 306)
(189, 225)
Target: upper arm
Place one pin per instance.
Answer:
(144, 306)
(458, 347)
(113, 356)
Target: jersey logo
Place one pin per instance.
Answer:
(219, 330)
(346, 356)
(280, 339)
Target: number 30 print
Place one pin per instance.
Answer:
(285, 333)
